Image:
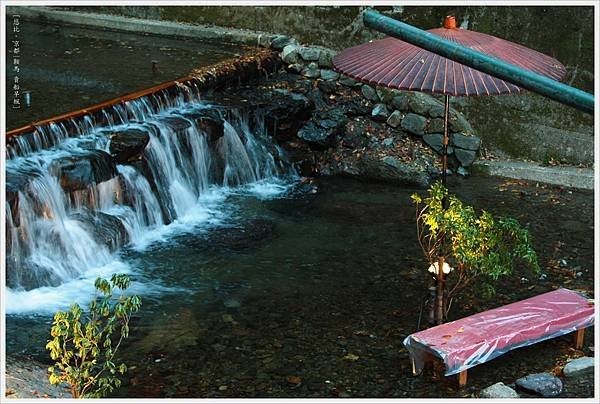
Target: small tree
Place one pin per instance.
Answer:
(479, 247)
(83, 348)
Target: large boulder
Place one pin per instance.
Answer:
(394, 119)
(309, 54)
(80, 171)
(422, 104)
(542, 384)
(415, 124)
(390, 169)
(369, 93)
(311, 71)
(465, 142)
(435, 141)
(465, 157)
(279, 42)
(176, 123)
(128, 145)
(291, 54)
(380, 113)
(458, 122)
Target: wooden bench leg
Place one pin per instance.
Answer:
(579, 334)
(462, 379)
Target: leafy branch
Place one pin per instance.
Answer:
(82, 348)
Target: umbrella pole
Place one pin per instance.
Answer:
(445, 143)
(439, 301)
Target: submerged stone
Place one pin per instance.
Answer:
(106, 229)
(390, 169)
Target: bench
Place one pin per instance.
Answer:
(476, 339)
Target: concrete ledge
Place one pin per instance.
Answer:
(136, 25)
(566, 176)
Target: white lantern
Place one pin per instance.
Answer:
(434, 268)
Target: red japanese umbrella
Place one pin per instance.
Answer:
(393, 63)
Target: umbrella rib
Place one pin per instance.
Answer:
(429, 71)
(411, 69)
(435, 76)
(399, 86)
(400, 64)
(462, 70)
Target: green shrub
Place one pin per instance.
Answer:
(478, 246)
(84, 345)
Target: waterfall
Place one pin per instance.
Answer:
(71, 206)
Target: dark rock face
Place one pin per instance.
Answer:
(321, 131)
(465, 142)
(107, 229)
(280, 41)
(465, 157)
(436, 125)
(390, 169)
(208, 120)
(285, 112)
(542, 384)
(128, 145)
(435, 141)
(414, 124)
(380, 113)
(369, 93)
(80, 171)
(354, 135)
(176, 123)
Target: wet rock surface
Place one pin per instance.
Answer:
(578, 367)
(498, 390)
(107, 229)
(128, 145)
(27, 378)
(543, 384)
(78, 172)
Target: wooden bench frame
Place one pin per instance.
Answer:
(435, 363)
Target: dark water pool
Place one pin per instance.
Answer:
(311, 295)
(68, 68)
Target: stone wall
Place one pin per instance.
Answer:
(526, 126)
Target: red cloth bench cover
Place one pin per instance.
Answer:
(476, 339)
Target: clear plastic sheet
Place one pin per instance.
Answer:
(476, 339)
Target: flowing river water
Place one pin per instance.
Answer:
(268, 287)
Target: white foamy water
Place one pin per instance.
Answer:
(59, 241)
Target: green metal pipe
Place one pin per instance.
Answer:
(487, 64)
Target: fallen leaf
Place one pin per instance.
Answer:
(351, 357)
(294, 380)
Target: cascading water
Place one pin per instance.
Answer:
(70, 206)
